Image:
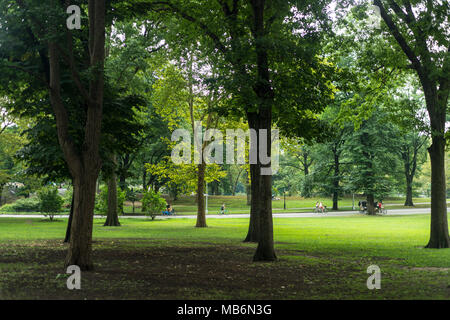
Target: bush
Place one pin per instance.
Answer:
(101, 200)
(22, 205)
(50, 201)
(152, 204)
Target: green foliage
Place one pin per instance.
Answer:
(152, 203)
(50, 202)
(22, 205)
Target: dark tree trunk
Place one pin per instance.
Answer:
(144, 178)
(265, 250)
(81, 229)
(409, 192)
(336, 179)
(112, 216)
(439, 237)
(69, 223)
(248, 191)
(201, 214)
(255, 176)
(122, 182)
(370, 204)
(1, 194)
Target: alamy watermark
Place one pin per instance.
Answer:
(209, 147)
(74, 281)
(74, 20)
(374, 281)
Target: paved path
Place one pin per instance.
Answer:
(396, 212)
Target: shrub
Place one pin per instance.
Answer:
(152, 204)
(22, 205)
(50, 201)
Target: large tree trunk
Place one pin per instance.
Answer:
(69, 223)
(1, 194)
(83, 215)
(439, 237)
(409, 192)
(265, 250)
(112, 217)
(201, 215)
(370, 204)
(255, 176)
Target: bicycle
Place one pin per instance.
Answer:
(320, 210)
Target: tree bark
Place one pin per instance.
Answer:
(81, 229)
(265, 250)
(409, 192)
(112, 216)
(69, 223)
(255, 176)
(201, 214)
(370, 204)
(439, 237)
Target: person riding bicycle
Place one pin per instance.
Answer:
(222, 209)
(380, 206)
(321, 207)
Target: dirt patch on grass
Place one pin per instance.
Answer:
(160, 269)
(129, 269)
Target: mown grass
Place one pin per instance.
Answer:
(319, 258)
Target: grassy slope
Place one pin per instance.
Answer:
(319, 258)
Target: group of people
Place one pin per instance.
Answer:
(320, 207)
(169, 211)
(377, 205)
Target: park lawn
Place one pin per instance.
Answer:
(319, 258)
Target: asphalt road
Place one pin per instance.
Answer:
(394, 212)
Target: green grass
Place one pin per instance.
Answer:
(319, 258)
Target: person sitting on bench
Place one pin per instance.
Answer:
(168, 211)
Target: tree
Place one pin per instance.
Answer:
(50, 201)
(371, 149)
(43, 28)
(152, 203)
(412, 156)
(420, 30)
